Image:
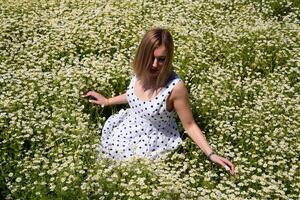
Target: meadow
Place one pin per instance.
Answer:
(240, 61)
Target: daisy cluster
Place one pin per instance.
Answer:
(240, 60)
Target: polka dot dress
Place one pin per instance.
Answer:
(146, 129)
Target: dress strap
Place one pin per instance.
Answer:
(130, 89)
(170, 85)
(132, 82)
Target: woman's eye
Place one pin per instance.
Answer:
(161, 59)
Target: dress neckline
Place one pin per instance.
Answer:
(147, 100)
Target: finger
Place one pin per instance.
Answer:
(226, 167)
(229, 166)
(231, 169)
(227, 162)
(93, 101)
(86, 95)
(218, 160)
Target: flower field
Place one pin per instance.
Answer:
(240, 61)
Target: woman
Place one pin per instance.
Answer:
(155, 92)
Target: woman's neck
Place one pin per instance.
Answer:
(148, 83)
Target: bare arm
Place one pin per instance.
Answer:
(121, 99)
(180, 101)
(103, 101)
(181, 105)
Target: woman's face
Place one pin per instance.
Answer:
(158, 60)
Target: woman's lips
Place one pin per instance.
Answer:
(154, 70)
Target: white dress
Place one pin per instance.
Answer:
(146, 129)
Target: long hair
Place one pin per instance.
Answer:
(143, 59)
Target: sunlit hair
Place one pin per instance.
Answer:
(144, 56)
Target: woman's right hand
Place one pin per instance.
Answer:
(97, 98)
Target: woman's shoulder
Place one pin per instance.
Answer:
(173, 77)
(178, 86)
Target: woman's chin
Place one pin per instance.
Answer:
(153, 75)
(154, 72)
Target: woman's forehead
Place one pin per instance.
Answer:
(161, 51)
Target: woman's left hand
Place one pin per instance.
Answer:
(223, 162)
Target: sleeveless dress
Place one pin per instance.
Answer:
(146, 129)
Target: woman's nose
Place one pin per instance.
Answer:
(154, 64)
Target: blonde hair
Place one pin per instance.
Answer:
(153, 39)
